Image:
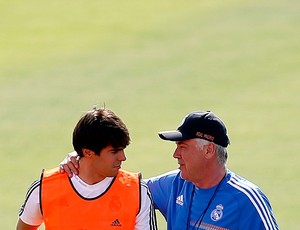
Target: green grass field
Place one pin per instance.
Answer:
(152, 63)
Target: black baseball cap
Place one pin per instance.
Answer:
(200, 124)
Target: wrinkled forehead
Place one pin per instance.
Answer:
(192, 141)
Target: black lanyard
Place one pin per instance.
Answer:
(200, 219)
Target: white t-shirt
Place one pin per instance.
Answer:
(30, 212)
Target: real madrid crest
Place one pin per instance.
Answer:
(217, 213)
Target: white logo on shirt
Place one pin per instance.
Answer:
(217, 213)
(179, 200)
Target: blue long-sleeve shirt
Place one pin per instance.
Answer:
(235, 204)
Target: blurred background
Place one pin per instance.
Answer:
(151, 63)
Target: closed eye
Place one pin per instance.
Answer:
(116, 151)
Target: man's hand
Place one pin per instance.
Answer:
(70, 164)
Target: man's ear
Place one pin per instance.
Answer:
(87, 153)
(210, 150)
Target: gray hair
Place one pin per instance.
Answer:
(221, 151)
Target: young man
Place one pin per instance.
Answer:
(101, 196)
(203, 193)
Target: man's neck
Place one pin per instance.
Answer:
(87, 175)
(212, 178)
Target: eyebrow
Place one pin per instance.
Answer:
(117, 149)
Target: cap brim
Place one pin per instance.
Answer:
(171, 135)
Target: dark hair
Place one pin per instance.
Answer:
(98, 129)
